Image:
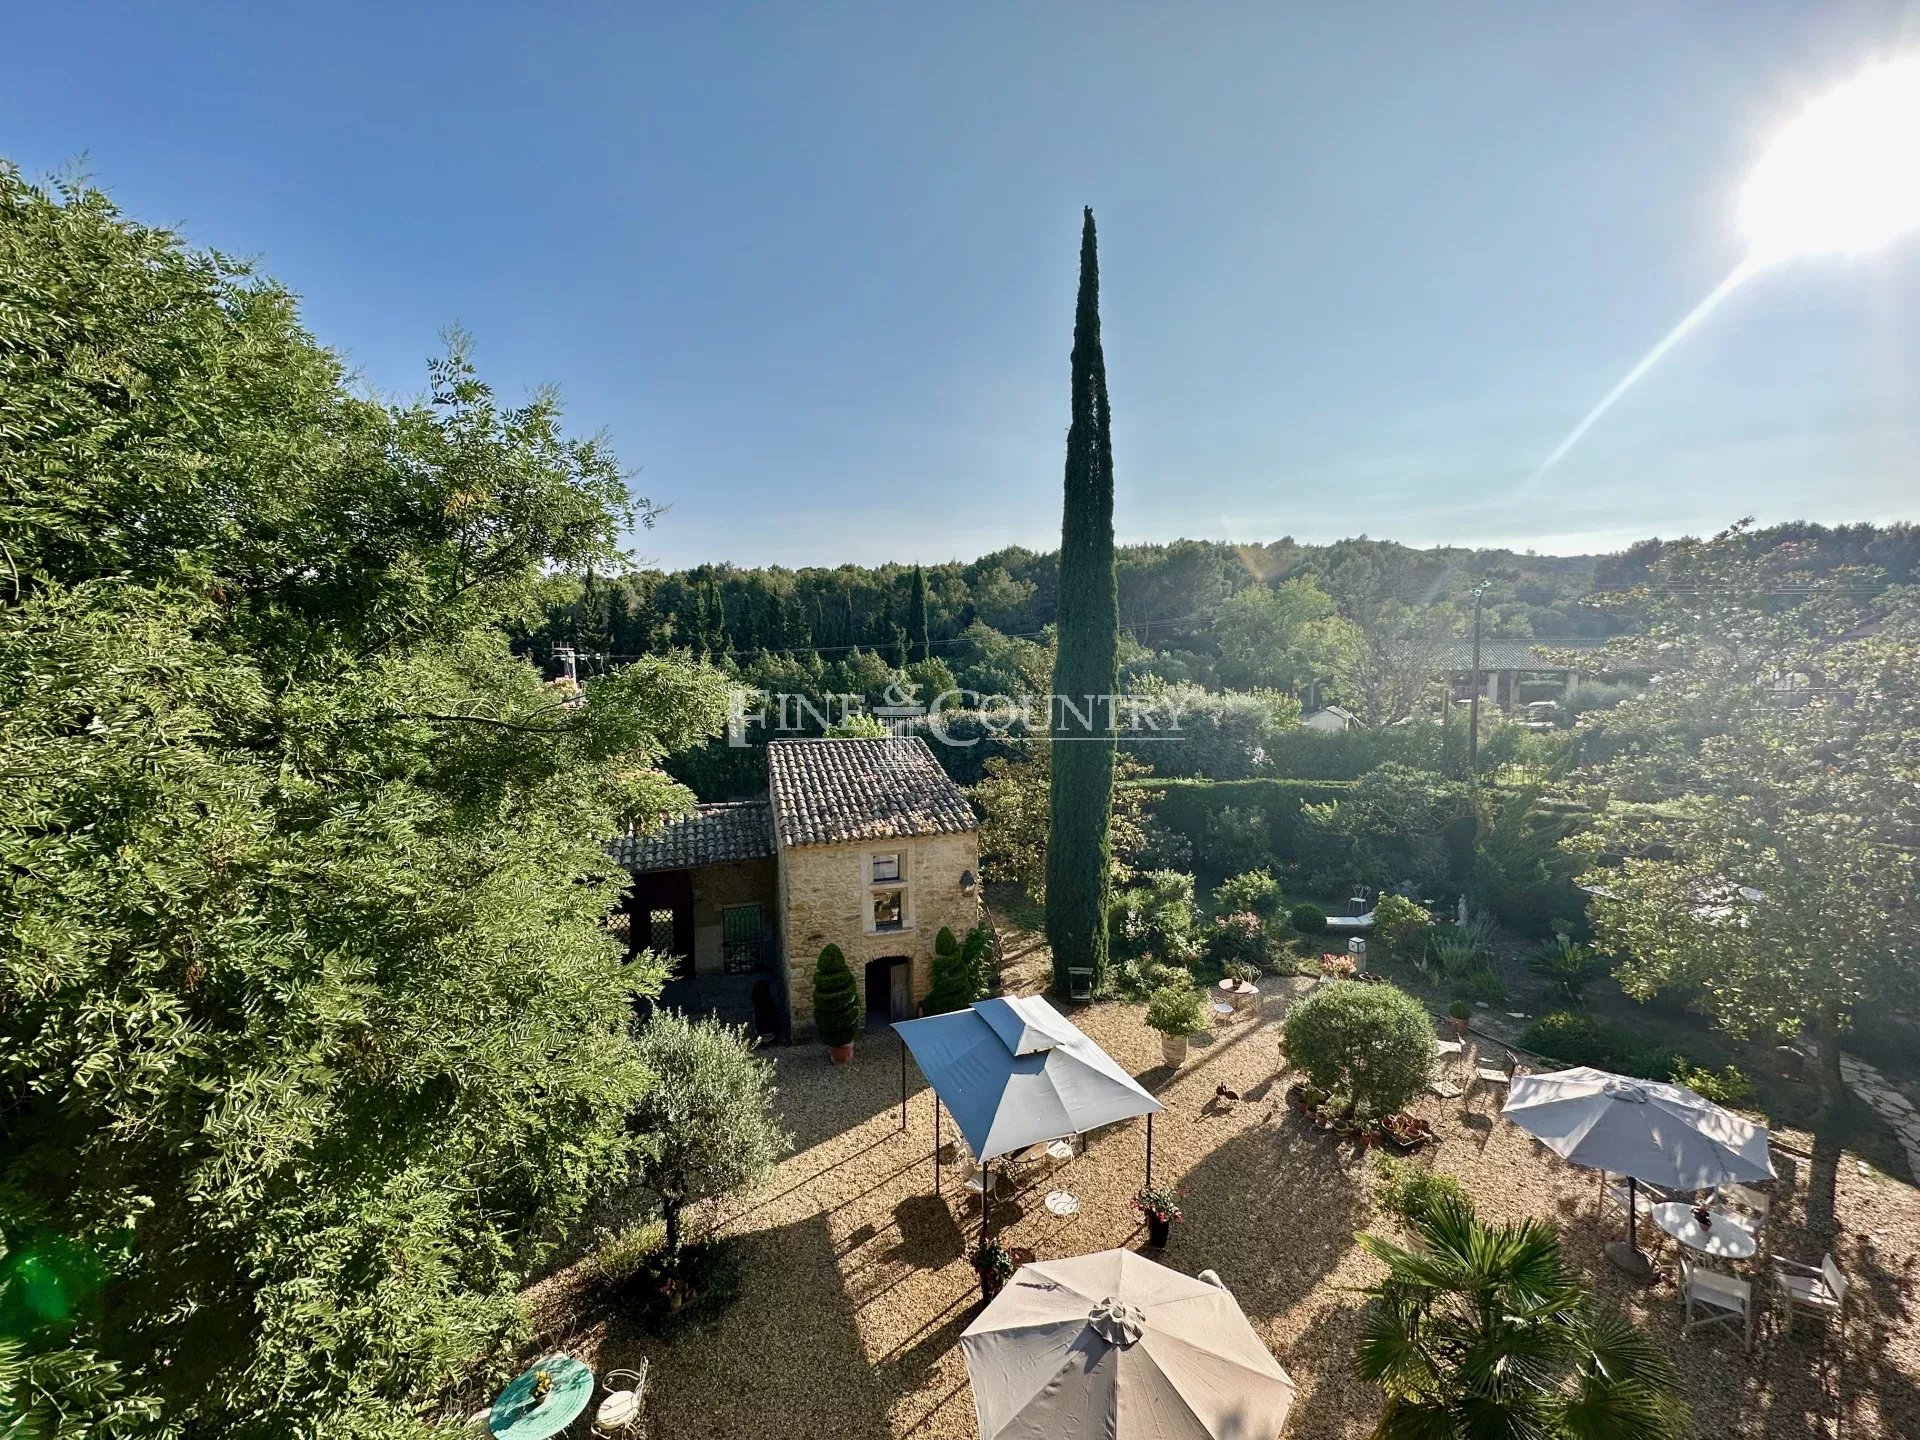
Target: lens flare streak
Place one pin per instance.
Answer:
(1737, 277)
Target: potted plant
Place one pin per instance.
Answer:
(836, 1004)
(1458, 1014)
(1334, 966)
(1176, 1011)
(1160, 1204)
(541, 1387)
(993, 1263)
(1405, 1133)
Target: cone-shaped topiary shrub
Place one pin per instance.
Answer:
(836, 999)
(953, 977)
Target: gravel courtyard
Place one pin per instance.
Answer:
(856, 1286)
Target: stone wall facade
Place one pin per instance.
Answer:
(823, 898)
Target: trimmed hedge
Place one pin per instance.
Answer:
(1186, 806)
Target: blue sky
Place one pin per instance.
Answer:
(811, 267)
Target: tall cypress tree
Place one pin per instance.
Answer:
(917, 617)
(1086, 664)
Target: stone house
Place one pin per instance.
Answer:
(862, 843)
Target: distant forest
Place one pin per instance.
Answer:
(1178, 602)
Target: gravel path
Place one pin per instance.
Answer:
(857, 1287)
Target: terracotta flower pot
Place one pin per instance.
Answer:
(840, 1054)
(1459, 1026)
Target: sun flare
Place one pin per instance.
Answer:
(1843, 176)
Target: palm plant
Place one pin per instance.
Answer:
(1565, 966)
(1480, 1332)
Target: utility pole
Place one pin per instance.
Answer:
(1473, 711)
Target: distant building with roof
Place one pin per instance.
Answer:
(1331, 719)
(1513, 672)
(862, 843)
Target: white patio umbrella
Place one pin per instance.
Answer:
(1115, 1346)
(1664, 1134)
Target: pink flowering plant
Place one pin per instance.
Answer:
(1158, 1202)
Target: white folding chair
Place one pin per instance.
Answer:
(1821, 1293)
(1720, 1299)
(619, 1412)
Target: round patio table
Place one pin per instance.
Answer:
(1726, 1237)
(516, 1415)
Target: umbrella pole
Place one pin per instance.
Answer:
(903, 1085)
(1149, 1149)
(1629, 1257)
(986, 1184)
(936, 1142)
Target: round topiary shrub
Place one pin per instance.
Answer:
(1309, 919)
(1371, 1046)
(836, 999)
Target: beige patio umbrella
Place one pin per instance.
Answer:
(1114, 1346)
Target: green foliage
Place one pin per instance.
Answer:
(1729, 1085)
(1308, 919)
(1254, 890)
(1565, 966)
(1015, 803)
(707, 1124)
(1238, 939)
(1413, 1192)
(1232, 836)
(1400, 928)
(1154, 917)
(956, 977)
(1223, 736)
(1079, 856)
(1576, 1039)
(1188, 808)
(1177, 1008)
(312, 1032)
(1370, 1045)
(1283, 637)
(837, 1011)
(857, 727)
(1485, 987)
(1482, 1331)
(1520, 870)
(976, 953)
(1392, 826)
(1785, 746)
(1460, 1010)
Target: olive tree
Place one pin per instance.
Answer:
(706, 1124)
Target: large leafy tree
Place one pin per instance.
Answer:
(1282, 637)
(1481, 1332)
(1779, 748)
(312, 1036)
(1086, 664)
(1016, 816)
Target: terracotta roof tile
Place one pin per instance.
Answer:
(711, 835)
(825, 792)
